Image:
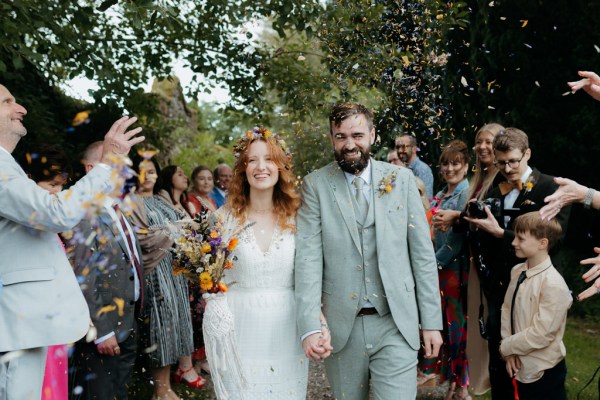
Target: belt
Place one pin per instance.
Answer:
(367, 311)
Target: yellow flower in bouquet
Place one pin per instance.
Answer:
(202, 254)
(206, 282)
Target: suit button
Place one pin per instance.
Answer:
(354, 296)
(368, 280)
(359, 267)
(131, 278)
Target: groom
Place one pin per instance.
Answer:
(364, 257)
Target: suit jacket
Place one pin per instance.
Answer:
(328, 251)
(106, 275)
(41, 303)
(217, 197)
(498, 253)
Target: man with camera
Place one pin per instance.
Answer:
(524, 191)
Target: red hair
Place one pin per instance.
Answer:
(286, 200)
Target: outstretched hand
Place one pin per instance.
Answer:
(593, 274)
(432, 341)
(590, 83)
(568, 192)
(118, 141)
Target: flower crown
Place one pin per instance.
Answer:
(257, 134)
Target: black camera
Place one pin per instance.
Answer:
(476, 209)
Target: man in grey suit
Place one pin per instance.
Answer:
(41, 303)
(110, 272)
(364, 258)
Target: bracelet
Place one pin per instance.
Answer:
(587, 201)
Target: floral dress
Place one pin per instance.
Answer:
(453, 264)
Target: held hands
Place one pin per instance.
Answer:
(317, 346)
(118, 141)
(443, 219)
(568, 192)
(488, 224)
(513, 365)
(109, 347)
(590, 83)
(432, 341)
(592, 275)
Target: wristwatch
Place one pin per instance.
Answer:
(587, 201)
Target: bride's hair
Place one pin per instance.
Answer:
(286, 200)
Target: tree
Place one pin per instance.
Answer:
(120, 44)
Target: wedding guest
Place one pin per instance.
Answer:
(262, 300)
(570, 192)
(202, 185)
(170, 338)
(534, 313)
(50, 170)
(376, 281)
(41, 303)
(198, 199)
(406, 146)
(524, 191)
(222, 175)
(106, 259)
(485, 178)
(392, 158)
(453, 267)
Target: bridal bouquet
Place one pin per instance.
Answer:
(202, 255)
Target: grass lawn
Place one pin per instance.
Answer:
(583, 357)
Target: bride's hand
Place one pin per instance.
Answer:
(317, 346)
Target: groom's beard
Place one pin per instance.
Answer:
(354, 166)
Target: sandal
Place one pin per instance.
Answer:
(197, 383)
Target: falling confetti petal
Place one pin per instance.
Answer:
(464, 82)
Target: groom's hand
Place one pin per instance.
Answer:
(432, 341)
(317, 346)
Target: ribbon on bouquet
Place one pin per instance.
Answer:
(219, 342)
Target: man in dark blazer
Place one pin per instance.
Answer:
(524, 191)
(110, 274)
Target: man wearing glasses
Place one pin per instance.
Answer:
(524, 191)
(406, 146)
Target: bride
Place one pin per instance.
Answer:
(262, 299)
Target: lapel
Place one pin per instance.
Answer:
(111, 226)
(533, 178)
(341, 193)
(380, 204)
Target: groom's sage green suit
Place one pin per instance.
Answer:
(385, 260)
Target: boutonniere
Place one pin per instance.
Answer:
(529, 184)
(387, 184)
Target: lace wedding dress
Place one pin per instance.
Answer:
(263, 305)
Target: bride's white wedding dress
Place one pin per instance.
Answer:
(263, 305)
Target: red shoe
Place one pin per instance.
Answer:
(197, 383)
